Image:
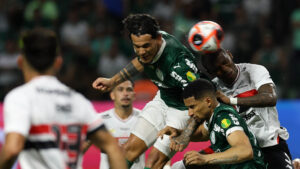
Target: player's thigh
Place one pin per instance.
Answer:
(151, 120)
(177, 118)
(277, 156)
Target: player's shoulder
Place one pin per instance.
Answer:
(18, 93)
(249, 67)
(136, 111)
(107, 114)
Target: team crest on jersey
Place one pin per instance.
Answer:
(190, 76)
(106, 116)
(159, 74)
(213, 137)
(225, 123)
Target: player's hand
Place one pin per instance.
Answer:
(296, 163)
(103, 84)
(172, 132)
(194, 158)
(222, 97)
(179, 143)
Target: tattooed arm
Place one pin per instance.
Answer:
(266, 97)
(240, 151)
(180, 142)
(106, 84)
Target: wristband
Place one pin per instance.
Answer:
(233, 101)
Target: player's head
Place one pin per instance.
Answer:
(143, 30)
(200, 97)
(123, 94)
(39, 50)
(220, 64)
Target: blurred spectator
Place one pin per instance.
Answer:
(274, 59)
(90, 29)
(295, 59)
(10, 76)
(164, 10)
(112, 62)
(74, 32)
(48, 9)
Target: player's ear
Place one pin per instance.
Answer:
(229, 53)
(159, 36)
(58, 63)
(208, 102)
(20, 61)
(112, 96)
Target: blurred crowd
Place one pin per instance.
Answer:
(93, 42)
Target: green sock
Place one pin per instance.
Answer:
(129, 163)
(147, 168)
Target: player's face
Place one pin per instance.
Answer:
(199, 109)
(145, 46)
(123, 94)
(222, 67)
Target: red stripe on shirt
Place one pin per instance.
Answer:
(247, 93)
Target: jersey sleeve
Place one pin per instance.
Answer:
(259, 75)
(91, 117)
(184, 72)
(229, 123)
(17, 113)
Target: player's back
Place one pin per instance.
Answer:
(54, 123)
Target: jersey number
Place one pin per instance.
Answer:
(68, 138)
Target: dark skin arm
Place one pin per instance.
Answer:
(266, 97)
(106, 84)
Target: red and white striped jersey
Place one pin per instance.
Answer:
(120, 129)
(54, 119)
(262, 121)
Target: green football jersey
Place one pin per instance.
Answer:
(171, 70)
(224, 121)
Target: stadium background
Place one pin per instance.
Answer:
(93, 43)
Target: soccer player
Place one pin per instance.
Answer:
(171, 66)
(251, 90)
(121, 119)
(46, 121)
(234, 145)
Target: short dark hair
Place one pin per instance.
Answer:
(40, 48)
(212, 56)
(198, 89)
(140, 24)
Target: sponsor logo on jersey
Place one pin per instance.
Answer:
(213, 137)
(106, 116)
(190, 76)
(159, 74)
(225, 123)
(179, 78)
(191, 65)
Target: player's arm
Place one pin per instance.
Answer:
(106, 84)
(266, 97)
(200, 134)
(14, 144)
(86, 145)
(240, 151)
(106, 142)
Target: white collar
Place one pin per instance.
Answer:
(210, 119)
(160, 51)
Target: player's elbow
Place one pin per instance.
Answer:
(272, 100)
(247, 153)
(12, 153)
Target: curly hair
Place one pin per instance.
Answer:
(140, 24)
